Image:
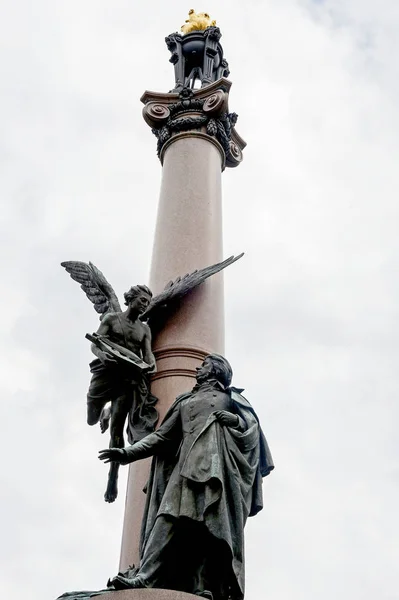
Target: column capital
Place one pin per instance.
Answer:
(195, 113)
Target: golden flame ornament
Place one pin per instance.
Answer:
(197, 22)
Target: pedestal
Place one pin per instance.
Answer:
(148, 594)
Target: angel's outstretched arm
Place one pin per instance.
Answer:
(148, 355)
(105, 325)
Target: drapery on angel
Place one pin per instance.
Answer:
(124, 358)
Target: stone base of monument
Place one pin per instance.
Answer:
(148, 594)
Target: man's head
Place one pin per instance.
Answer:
(216, 367)
(138, 298)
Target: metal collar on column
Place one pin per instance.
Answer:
(194, 134)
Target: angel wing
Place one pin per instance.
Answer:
(175, 290)
(94, 285)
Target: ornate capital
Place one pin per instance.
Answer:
(196, 113)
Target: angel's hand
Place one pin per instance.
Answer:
(152, 368)
(227, 418)
(112, 455)
(106, 358)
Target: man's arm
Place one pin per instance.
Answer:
(152, 444)
(148, 355)
(229, 419)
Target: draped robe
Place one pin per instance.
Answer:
(205, 475)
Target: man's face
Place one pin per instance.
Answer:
(140, 303)
(204, 371)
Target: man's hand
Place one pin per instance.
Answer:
(112, 455)
(227, 418)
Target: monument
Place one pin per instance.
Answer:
(196, 445)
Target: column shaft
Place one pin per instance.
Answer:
(188, 237)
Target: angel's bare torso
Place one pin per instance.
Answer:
(125, 329)
(133, 335)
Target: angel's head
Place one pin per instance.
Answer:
(138, 298)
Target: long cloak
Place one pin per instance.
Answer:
(230, 465)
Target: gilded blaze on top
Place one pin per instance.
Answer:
(197, 22)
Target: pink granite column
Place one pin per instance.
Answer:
(188, 237)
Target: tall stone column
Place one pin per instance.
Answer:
(196, 140)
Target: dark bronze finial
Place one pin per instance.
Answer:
(197, 55)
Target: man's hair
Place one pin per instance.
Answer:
(221, 369)
(135, 291)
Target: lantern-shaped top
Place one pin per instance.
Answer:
(197, 53)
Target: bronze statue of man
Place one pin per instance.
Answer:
(209, 459)
(126, 389)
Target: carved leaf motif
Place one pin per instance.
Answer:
(211, 127)
(164, 134)
(222, 135)
(181, 123)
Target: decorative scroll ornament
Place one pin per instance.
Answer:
(156, 113)
(235, 154)
(215, 103)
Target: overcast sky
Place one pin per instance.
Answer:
(311, 310)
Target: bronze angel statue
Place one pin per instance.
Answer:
(120, 387)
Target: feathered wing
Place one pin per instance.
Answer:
(175, 290)
(94, 285)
